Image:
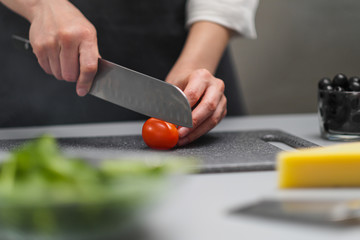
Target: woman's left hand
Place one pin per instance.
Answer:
(205, 94)
(193, 73)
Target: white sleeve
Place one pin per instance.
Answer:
(238, 15)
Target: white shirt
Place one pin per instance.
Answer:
(238, 15)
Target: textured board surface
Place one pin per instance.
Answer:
(218, 151)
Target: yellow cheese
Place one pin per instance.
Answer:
(331, 166)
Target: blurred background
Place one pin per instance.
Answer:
(298, 43)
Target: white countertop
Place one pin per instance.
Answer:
(198, 208)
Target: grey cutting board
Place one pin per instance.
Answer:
(218, 152)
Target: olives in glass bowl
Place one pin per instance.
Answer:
(339, 107)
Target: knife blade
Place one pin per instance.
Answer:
(137, 92)
(141, 93)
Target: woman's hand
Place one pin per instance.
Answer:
(205, 94)
(64, 42)
(193, 73)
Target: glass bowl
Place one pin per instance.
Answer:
(339, 115)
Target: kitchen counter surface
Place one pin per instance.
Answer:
(199, 207)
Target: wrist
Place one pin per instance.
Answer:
(32, 9)
(37, 7)
(29, 9)
(204, 46)
(180, 72)
(190, 62)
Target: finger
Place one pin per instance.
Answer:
(197, 83)
(207, 106)
(41, 54)
(89, 55)
(207, 125)
(45, 65)
(69, 61)
(54, 62)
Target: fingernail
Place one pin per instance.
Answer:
(183, 132)
(81, 92)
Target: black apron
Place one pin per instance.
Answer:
(143, 35)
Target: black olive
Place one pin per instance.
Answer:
(354, 125)
(323, 83)
(355, 103)
(354, 86)
(328, 88)
(340, 80)
(332, 99)
(339, 118)
(339, 89)
(354, 79)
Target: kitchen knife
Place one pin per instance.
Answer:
(310, 205)
(137, 92)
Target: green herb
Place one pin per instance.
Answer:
(45, 192)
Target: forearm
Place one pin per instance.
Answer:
(26, 8)
(203, 49)
(204, 46)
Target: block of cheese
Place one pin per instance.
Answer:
(330, 166)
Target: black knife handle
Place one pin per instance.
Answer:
(22, 43)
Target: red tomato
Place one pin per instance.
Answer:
(159, 134)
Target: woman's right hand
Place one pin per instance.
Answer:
(64, 42)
